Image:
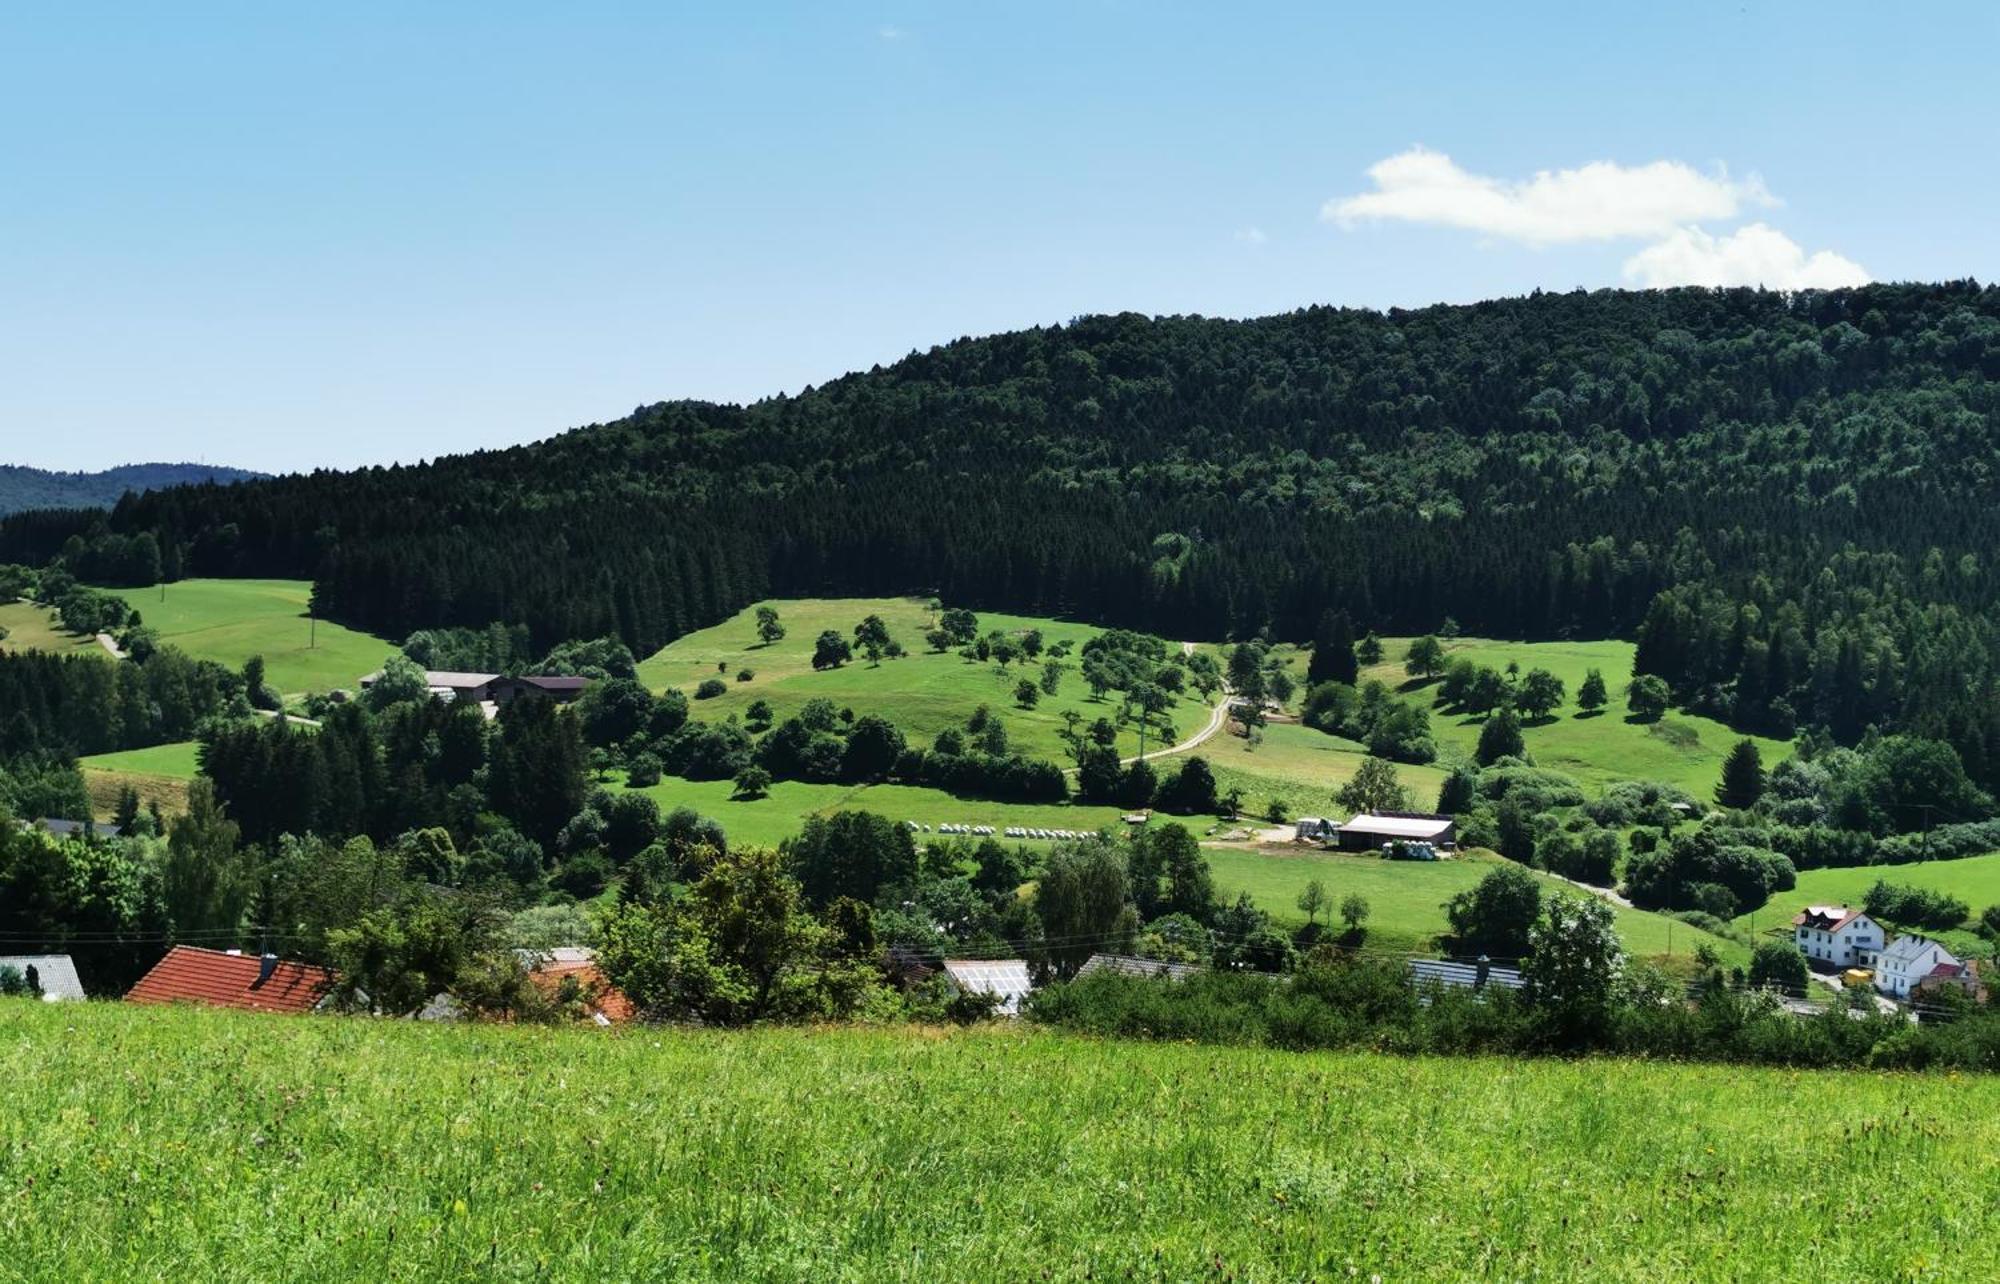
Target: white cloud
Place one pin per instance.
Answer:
(891, 33)
(1600, 201)
(1251, 235)
(1757, 254)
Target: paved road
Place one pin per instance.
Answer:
(292, 718)
(110, 644)
(1603, 893)
(1887, 1007)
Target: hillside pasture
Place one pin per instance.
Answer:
(783, 812)
(1597, 749)
(140, 1140)
(228, 621)
(159, 774)
(1406, 898)
(922, 693)
(30, 627)
(1973, 879)
(1301, 768)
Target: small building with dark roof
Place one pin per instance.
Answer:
(1133, 965)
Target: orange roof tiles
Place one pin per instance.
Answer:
(602, 996)
(191, 975)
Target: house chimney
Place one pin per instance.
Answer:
(267, 965)
(1484, 966)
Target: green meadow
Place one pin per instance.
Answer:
(229, 621)
(158, 774)
(1406, 898)
(155, 1144)
(1301, 768)
(1599, 748)
(35, 628)
(1973, 879)
(923, 693)
(783, 812)
(176, 761)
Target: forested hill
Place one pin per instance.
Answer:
(1788, 499)
(23, 488)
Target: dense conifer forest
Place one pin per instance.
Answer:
(23, 489)
(1786, 499)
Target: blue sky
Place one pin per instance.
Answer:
(285, 236)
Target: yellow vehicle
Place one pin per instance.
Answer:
(1856, 977)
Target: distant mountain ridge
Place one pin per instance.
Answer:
(23, 488)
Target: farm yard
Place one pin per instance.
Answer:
(139, 1140)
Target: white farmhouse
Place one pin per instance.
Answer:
(1837, 936)
(1908, 960)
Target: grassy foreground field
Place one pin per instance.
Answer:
(262, 1148)
(229, 621)
(923, 693)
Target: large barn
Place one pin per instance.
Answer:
(1371, 829)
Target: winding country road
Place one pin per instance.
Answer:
(1216, 718)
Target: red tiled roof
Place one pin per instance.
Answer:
(604, 996)
(191, 975)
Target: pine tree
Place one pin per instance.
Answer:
(1333, 650)
(1500, 738)
(1591, 695)
(1742, 777)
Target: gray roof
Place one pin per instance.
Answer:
(62, 828)
(1462, 976)
(56, 972)
(1907, 949)
(1007, 978)
(1132, 965)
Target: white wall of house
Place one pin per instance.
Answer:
(1909, 961)
(1855, 944)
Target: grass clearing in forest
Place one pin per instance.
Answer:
(138, 1141)
(228, 621)
(922, 693)
(159, 773)
(30, 627)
